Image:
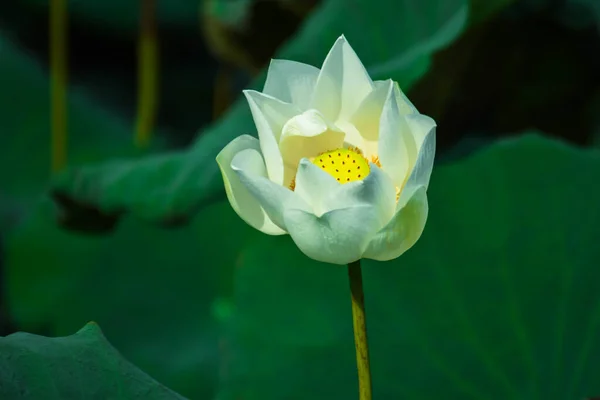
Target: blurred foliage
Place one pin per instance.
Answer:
(83, 365)
(513, 74)
(429, 28)
(576, 14)
(246, 33)
(151, 290)
(25, 133)
(122, 17)
(103, 62)
(481, 10)
(498, 299)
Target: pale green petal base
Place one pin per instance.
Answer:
(273, 198)
(337, 237)
(241, 200)
(421, 171)
(402, 232)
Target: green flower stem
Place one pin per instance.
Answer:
(58, 79)
(147, 73)
(360, 331)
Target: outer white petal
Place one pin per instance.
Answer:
(345, 215)
(275, 111)
(420, 126)
(404, 104)
(336, 237)
(425, 127)
(273, 198)
(243, 203)
(366, 118)
(396, 146)
(402, 232)
(292, 82)
(376, 190)
(313, 185)
(270, 114)
(324, 193)
(307, 135)
(342, 83)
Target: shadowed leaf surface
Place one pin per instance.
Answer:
(152, 290)
(80, 366)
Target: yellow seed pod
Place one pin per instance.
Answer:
(345, 165)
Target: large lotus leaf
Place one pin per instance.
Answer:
(152, 290)
(500, 298)
(393, 38)
(80, 366)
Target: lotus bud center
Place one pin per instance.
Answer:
(345, 165)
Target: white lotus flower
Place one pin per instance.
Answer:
(341, 163)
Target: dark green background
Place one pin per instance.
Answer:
(500, 299)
